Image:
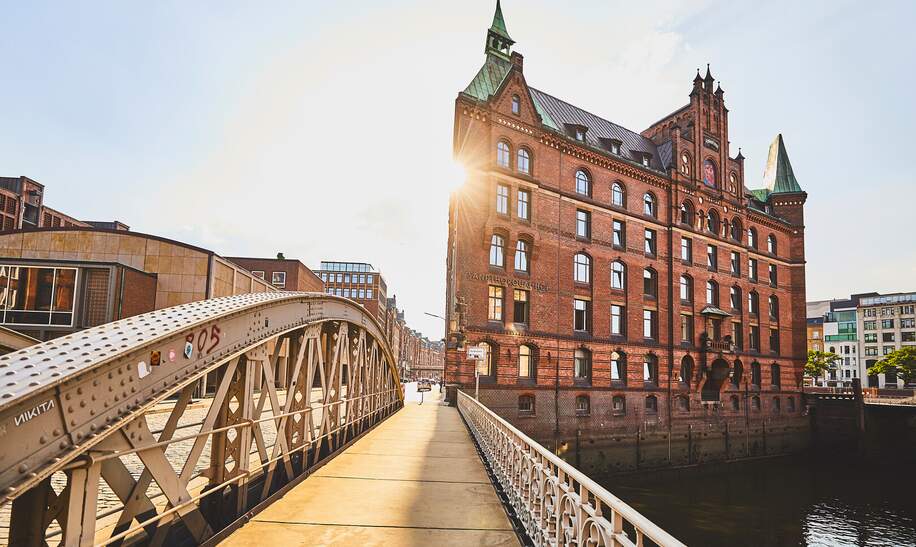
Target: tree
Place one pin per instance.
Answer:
(902, 362)
(820, 361)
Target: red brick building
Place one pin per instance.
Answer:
(283, 273)
(22, 207)
(618, 278)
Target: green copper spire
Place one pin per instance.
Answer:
(499, 24)
(498, 41)
(778, 176)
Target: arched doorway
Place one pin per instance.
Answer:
(717, 375)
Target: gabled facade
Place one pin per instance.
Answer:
(619, 277)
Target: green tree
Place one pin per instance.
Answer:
(901, 361)
(820, 361)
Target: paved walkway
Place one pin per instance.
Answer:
(416, 479)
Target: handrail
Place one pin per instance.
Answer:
(556, 503)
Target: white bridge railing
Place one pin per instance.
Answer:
(556, 503)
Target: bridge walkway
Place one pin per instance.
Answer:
(416, 479)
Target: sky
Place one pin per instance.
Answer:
(323, 129)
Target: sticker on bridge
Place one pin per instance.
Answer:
(142, 369)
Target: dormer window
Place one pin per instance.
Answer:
(611, 144)
(516, 104)
(576, 131)
(645, 160)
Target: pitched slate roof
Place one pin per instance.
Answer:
(561, 113)
(778, 176)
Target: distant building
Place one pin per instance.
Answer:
(815, 334)
(887, 323)
(357, 281)
(283, 273)
(22, 206)
(54, 281)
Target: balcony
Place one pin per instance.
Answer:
(723, 345)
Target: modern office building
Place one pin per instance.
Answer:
(358, 281)
(619, 278)
(54, 281)
(886, 323)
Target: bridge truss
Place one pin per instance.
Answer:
(102, 443)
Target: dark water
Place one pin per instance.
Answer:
(802, 500)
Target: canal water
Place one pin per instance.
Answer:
(805, 499)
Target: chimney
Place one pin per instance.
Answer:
(518, 60)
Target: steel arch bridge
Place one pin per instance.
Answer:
(77, 416)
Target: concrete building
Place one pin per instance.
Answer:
(283, 273)
(887, 323)
(358, 281)
(55, 281)
(619, 279)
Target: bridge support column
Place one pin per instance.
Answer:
(27, 522)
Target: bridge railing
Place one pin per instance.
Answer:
(556, 503)
(110, 449)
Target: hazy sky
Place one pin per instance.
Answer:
(323, 129)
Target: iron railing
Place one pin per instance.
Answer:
(555, 502)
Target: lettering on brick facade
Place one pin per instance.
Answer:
(508, 281)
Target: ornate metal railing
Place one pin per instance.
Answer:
(94, 453)
(555, 502)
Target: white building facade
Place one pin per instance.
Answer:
(885, 323)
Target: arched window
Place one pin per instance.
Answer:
(524, 362)
(712, 221)
(650, 283)
(583, 406)
(583, 183)
(685, 375)
(712, 293)
(618, 368)
(619, 405)
(683, 403)
(774, 375)
(776, 405)
(582, 268)
(773, 304)
(753, 303)
(752, 238)
(523, 161)
(790, 406)
(582, 364)
(618, 197)
(755, 403)
(737, 229)
(650, 369)
(516, 104)
(521, 256)
(618, 275)
(687, 213)
(737, 373)
(771, 244)
(735, 294)
(502, 154)
(685, 164)
(734, 403)
(525, 404)
(686, 288)
(486, 366)
(755, 374)
(648, 204)
(497, 251)
(651, 404)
